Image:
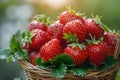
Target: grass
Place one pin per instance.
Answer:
(118, 75)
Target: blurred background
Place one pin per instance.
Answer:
(16, 14)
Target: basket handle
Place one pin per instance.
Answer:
(117, 49)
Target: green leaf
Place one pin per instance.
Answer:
(26, 37)
(26, 55)
(79, 71)
(15, 42)
(89, 65)
(4, 53)
(9, 58)
(101, 67)
(16, 50)
(41, 63)
(63, 58)
(59, 71)
(110, 61)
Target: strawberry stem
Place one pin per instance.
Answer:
(81, 46)
(93, 40)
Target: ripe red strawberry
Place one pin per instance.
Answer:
(56, 31)
(67, 16)
(110, 40)
(33, 56)
(37, 25)
(40, 38)
(78, 55)
(93, 28)
(50, 50)
(75, 27)
(97, 52)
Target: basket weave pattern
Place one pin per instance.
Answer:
(34, 73)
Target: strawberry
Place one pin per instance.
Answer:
(56, 31)
(67, 16)
(37, 25)
(97, 52)
(33, 56)
(50, 50)
(78, 55)
(40, 38)
(110, 40)
(75, 27)
(93, 28)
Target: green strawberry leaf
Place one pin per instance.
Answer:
(59, 71)
(25, 55)
(9, 58)
(63, 58)
(15, 42)
(16, 52)
(42, 64)
(26, 37)
(4, 53)
(101, 67)
(110, 61)
(79, 71)
(89, 65)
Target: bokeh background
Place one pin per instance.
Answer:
(16, 14)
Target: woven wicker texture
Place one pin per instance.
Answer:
(34, 73)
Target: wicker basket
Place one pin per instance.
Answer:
(34, 73)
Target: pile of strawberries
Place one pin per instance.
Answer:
(80, 38)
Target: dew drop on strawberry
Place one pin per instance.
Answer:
(50, 50)
(37, 25)
(93, 28)
(56, 31)
(110, 40)
(67, 16)
(39, 39)
(75, 27)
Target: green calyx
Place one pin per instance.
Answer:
(73, 38)
(70, 37)
(93, 40)
(74, 11)
(97, 19)
(81, 46)
(43, 19)
(70, 9)
(26, 37)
